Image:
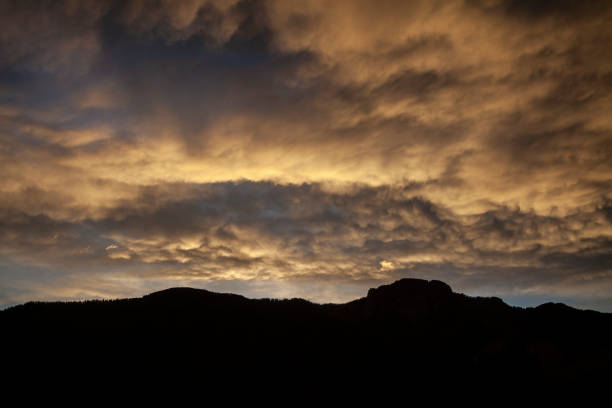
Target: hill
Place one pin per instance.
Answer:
(421, 328)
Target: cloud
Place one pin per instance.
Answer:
(349, 142)
(306, 233)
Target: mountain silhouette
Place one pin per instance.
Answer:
(421, 328)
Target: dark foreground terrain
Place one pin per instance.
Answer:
(409, 329)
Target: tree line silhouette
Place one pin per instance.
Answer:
(418, 327)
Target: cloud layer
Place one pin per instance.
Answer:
(278, 150)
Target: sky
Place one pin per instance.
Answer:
(309, 148)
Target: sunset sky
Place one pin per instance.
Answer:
(308, 148)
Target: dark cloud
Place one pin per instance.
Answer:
(289, 233)
(569, 10)
(308, 151)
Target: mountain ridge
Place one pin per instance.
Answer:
(417, 323)
(410, 283)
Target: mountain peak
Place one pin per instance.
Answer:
(179, 291)
(410, 298)
(186, 296)
(412, 288)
